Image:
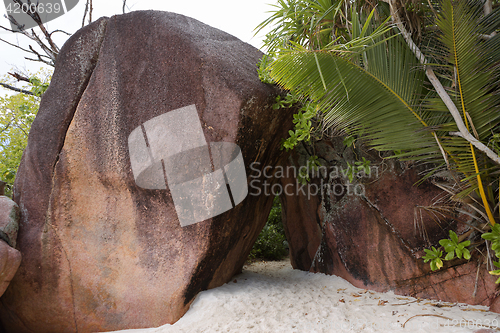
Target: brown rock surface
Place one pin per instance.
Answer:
(99, 252)
(9, 220)
(10, 259)
(371, 239)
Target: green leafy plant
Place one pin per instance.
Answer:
(351, 170)
(38, 87)
(302, 120)
(289, 100)
(363, 166)
(453, 247)
(312, 164)
(358, 167)
(496, 271)
(303, 127)
(17, 113)
(434, 256)
(494, 238)
(349, 140)
(264, 72)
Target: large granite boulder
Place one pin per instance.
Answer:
(99, 251)
(9, 220)
(10, 258)
(372, 231)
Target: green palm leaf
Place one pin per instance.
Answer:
(378, 98)
(474, 78)
(465, 50)
(374, 86)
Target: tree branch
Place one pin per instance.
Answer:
(50, 53)
(90, 12)
(49, 63)
(6, 127)
(40, 56)
(85, 13)
(49, 47)
(16, 89)
(36, 17)
(488, 7)
(11, 44)
(88, 9)
(19, 77)
(59, 30)
(6, 29)
(464, 132)
(31, 50)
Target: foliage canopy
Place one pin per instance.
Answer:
(419, 79)
(17, 113)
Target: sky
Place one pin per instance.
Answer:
(237, 17)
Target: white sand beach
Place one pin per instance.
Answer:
(272, 297)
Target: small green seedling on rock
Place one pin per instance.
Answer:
(349, 141)
(494, 238)
(496, 272)
(357, 168)
(452, 247)
(434, 256)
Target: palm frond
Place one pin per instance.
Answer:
(474, 78)
(465, 49)
(368, 80)
(380, 102)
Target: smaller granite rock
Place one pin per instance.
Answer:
(10, 259)
(9, 220)
(363, 230)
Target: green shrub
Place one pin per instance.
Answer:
(271, 243)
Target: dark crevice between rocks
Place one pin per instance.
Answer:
(26, 328)
(327, 255)
(318, 255)
(205, 271)
(5, 238)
